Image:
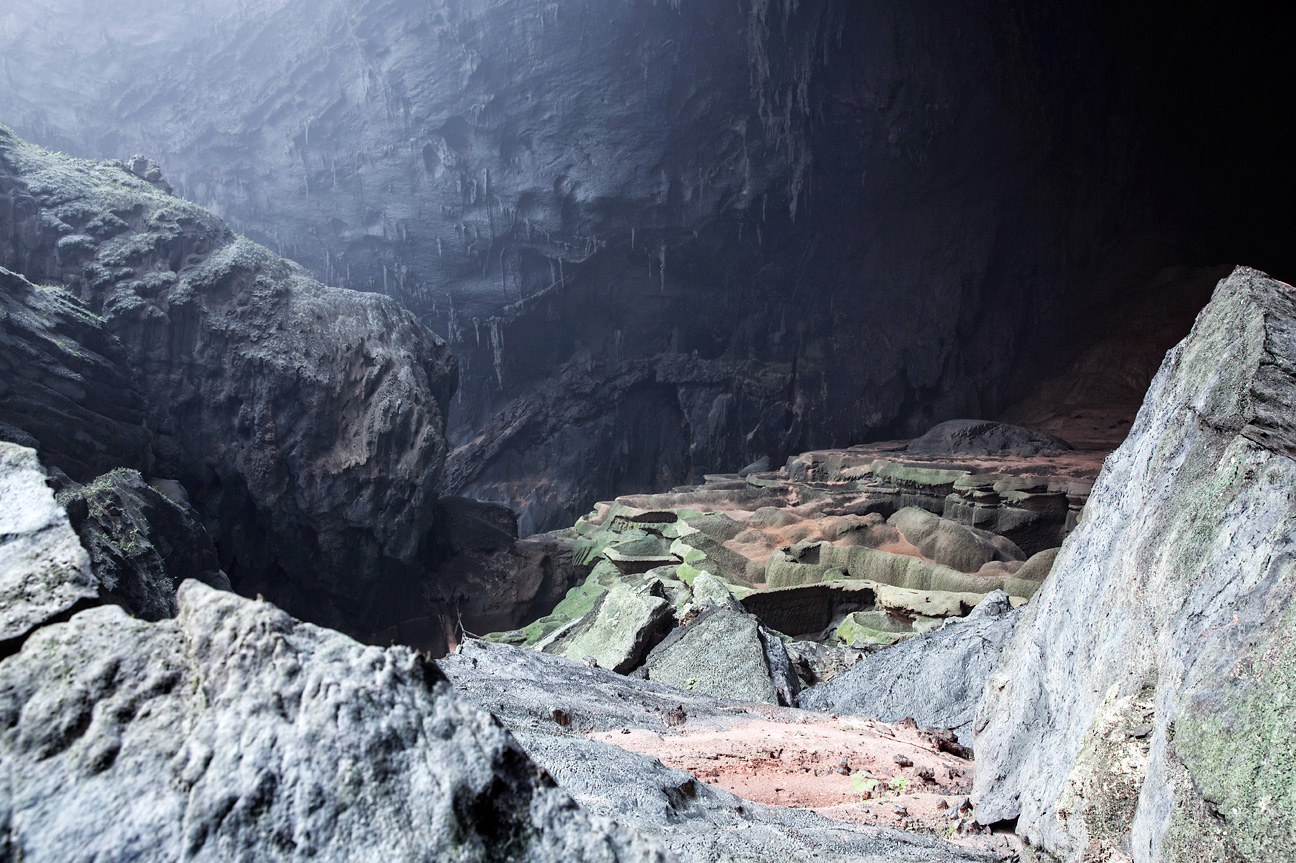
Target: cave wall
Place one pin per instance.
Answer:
(663, 238)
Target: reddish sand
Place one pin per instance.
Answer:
(848, 768)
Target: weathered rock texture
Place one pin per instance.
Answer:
(44, 572)
(552, 704)
(65, 382)
(672, 202)
(306, 422)
(142, 544)
(237, 733)
(1143, 707)
(935, 678)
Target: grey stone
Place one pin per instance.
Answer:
(697, 822)
(234, 732)
(307, 422)
(722, 653)
(1171, 605)
(65, 383)
(936, 677)
(44, 572)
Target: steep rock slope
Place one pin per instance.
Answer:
(640, 223)
(306, 422)
(1143, 707)
(65, 382)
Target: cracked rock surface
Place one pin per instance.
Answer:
(1144, 700)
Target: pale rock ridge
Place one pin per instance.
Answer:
(1143, 707)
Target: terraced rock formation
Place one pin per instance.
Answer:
(759, 586)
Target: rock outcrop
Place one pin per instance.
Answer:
(935, 678)
(582, 216)
(44, 572)
(237, 733)
(65, 382)
(142, 544)
(1143, 707)
(555, 706)
(306, 422)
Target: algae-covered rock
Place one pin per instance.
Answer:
(142, 543)
(955, 545)
(1162, 640)
(723, 653)
(624, 624)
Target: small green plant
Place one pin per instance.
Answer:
(863, 785)
(690, 683)
(897, 784)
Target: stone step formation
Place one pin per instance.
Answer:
(804, 571)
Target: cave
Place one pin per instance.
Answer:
(563, 356)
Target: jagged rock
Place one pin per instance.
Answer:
(815, 662)
(551, 703)
(981, 437)
(936, 678)
(65, 385)
(705, 592)
(234, 732)
(947, 542)
(44, 572)
(307, 422)
(624, 624)
(1144, 702)
(724, 653)
(142, 544)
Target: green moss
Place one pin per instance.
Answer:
(1240, 748)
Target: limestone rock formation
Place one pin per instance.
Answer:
(307, 422)
(237, 733)
(142, 544)
(704, 180)
(44, 572)
(982, 438)
(553, 705)
(935, 678)
(1142, 710)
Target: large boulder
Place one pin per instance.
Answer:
(955, 545)
(142, 543)
(234, 732)
(935, 678)
(624, 624)
(1143, 708)
(725, 653)
(307, 422)
(984, 438)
